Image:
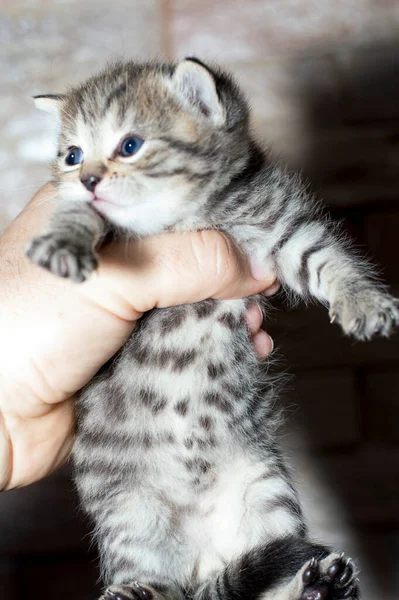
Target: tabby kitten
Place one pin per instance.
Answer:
(176, 459)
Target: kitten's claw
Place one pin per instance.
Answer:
(311, 571)
(115, 596)
(367, 313)
(143, 593)
(346, 575)
(62, 257)
(358, 326)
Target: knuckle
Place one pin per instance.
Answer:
(212, 251)
(226, 262)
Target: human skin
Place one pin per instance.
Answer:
(56, 334)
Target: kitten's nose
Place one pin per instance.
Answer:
(91, 182)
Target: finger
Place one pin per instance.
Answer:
(39, 446)
(272, 289)
(253, 319)
(173, 269)
(263, 344)
(234, 277)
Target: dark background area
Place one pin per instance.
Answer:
(323, 80)
(348, 392)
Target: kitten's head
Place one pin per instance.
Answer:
(148, 143)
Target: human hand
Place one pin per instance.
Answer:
(56, 334)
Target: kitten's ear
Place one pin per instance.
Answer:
(50, 103)
(196, 86)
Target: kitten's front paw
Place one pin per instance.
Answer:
(333, 578)
(62, 257)
(366, 313)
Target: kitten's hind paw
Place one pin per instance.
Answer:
(366, 313)
(134, 591)
(119, 592)
(333, 578)
(62, 257)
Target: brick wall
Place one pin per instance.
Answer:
(322, 78)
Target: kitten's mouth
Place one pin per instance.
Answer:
(99, 201)
(101, 205)
(103, 202)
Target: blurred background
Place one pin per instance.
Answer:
(323, 79)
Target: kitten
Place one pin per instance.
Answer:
(176, 459)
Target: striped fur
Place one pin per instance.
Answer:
(176, 458)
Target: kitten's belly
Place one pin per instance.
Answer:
(172, 402)
(170, 418)
(231, 515)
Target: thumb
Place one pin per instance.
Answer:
(172, 269)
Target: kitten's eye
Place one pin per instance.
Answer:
(130, 145)
(74, 156)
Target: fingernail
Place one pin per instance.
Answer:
(259, 271)
(271, 342)
(263, 344)
(270, 291)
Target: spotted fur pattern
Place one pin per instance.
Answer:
(176, 458)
